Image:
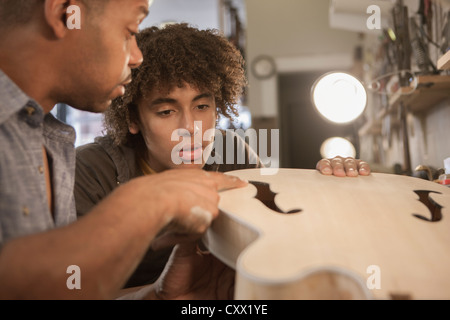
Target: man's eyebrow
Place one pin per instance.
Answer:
(161, 101)
(201, 96)
(144, 10)
(173, 101)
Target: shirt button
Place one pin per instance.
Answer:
(41, 169)
(30, 110)
(26, 211)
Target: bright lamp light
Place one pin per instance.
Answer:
(337, 146)
(339, 97)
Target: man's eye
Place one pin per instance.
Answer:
(131, 34)
(203, 107)
(164, 112)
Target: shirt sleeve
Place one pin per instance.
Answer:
(95, 177)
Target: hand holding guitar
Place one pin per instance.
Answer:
(342, 167)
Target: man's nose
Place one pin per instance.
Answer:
(136, 57)
(190, 126)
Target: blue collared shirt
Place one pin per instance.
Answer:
(24, 130)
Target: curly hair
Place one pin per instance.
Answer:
(173, 55)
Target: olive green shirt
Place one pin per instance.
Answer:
(101, 166)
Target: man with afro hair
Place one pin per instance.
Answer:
(189, 77)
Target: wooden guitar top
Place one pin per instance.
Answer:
(299, 234)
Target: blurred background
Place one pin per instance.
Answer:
(289, 44)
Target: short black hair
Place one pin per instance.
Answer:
(14, 12)
(17, 12)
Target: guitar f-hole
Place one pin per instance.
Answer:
(433, 206)
(267, 197)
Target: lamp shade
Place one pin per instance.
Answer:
(337, 146)
(339, 97)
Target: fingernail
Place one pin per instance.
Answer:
(202, 214)
(327, 170)
(234, 178)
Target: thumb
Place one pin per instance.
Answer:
(227, 181)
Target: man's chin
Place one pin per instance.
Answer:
(98, 107)
(190, 166)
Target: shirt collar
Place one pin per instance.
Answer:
(12, 98)
(56, 129)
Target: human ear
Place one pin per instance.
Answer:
(133, 128)
(56, 16)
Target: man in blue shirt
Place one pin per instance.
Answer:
(42, 63)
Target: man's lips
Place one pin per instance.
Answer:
(191, 152)
(121, 87)
(127, 80)
(191, 147)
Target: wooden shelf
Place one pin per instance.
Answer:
(444, 62)
(430, 91)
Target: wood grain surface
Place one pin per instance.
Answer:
(383, 236)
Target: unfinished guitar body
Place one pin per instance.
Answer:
(303, 235)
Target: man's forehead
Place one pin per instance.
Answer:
(144, 5)
(148, 3)
(137, 6)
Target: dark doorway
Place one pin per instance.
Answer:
(302, 128)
